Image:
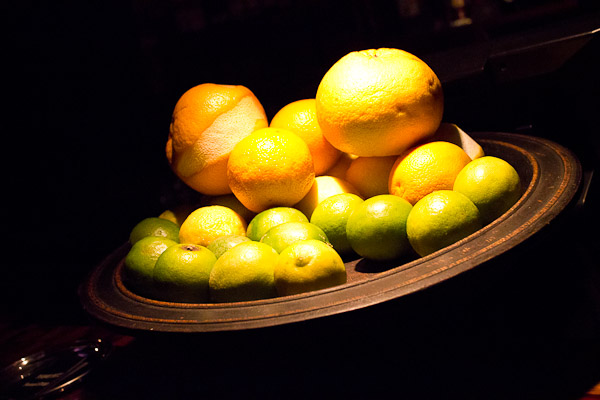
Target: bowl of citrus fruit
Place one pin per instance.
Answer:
(357, 196)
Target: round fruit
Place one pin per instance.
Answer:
(271, 167)
(181, 273)
(206, 224)
(427, 168)
(492, 184)
(331, 215)
(154, 226)
(177, 214)
(338, 170)
(282, 236)
(308, 265)
(229, 200)
(207, 122)
(139, 263)
(379, 102)
(323, 187)
(300, 117)
(440, 219)
(376, 229)
(370, 175)
(221, 244)
(244, 273)
(265, 220)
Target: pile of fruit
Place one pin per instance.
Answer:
(364, 169)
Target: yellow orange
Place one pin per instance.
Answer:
(323, 187)
(208, 223)
(270, 167)
(300, 117)
(207, 122)
(379, 102)
(370, 175)
(426, 168)
(339, 169)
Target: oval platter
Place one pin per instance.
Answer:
(550, 175)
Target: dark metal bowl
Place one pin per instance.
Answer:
(550, 175)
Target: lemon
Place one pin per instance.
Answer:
(230, 201)
(376, 229)
(244, 273)
(440, 219)
(221, 244)
(181, 273)
(154, 226)
(177, 214)
(323, 187)
(492, 184)
(207, 223)
(283, 235)
(331, 215)
(265, 220)
(308, 265)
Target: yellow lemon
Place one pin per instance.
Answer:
(206, 224)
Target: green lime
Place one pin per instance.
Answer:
(440, 219)
(139, 263)
(221, 244)
(244, 273)
(376, 229)
(281, 236)
(154, 226)
(265, 220)
(331, 215)
(181, 273)
(492, 184)
(308, 265)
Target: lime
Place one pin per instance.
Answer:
(207, 223)
(222, 244)
(376, 229)
(181, 273)
(492, 184)
(308, 265)
(244, 273)
(331, 215)
(265, 220)
(281, 236)
(139, 263)
(154, 226)
(439, 219)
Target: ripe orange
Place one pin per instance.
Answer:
(208, 223)
(429, 167)
(370, 175)
(270, 167)
(300, 117)
(323, 187)
(208, 120)
(338, 170)
(379, 102)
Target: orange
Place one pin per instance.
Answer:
(208, 223)
(270, 167)
(338, 170)
(379, 102)
(323, 187)
(426, 168)
(453, 134)
(229, 200)
(300, 117)
(370, 175)
(208, 120)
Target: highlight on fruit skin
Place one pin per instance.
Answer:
(207, 122)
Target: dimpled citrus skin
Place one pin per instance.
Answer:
(426, 168)
(300, 117)
(379, 102)
(207, 223)
(271, 167)
(207, 122)
(265, 220)
(370, 175)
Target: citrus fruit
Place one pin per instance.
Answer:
(376, 229)
(283, 235)
(177, 214)
(453, 134)
(229, 200)
(207, 122)
(379, 102)
(207, 223)
(308, 265)
(265, 220)
(270, 167)
(323, 187)
(338, 170)
(492, 184)
(244, 273)
(181, 273)
(139, 263)
(440, 219)
(331, 215)
(300, 117)
(154, 226)
(370, 175)
(426, 168)
(221, 244)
